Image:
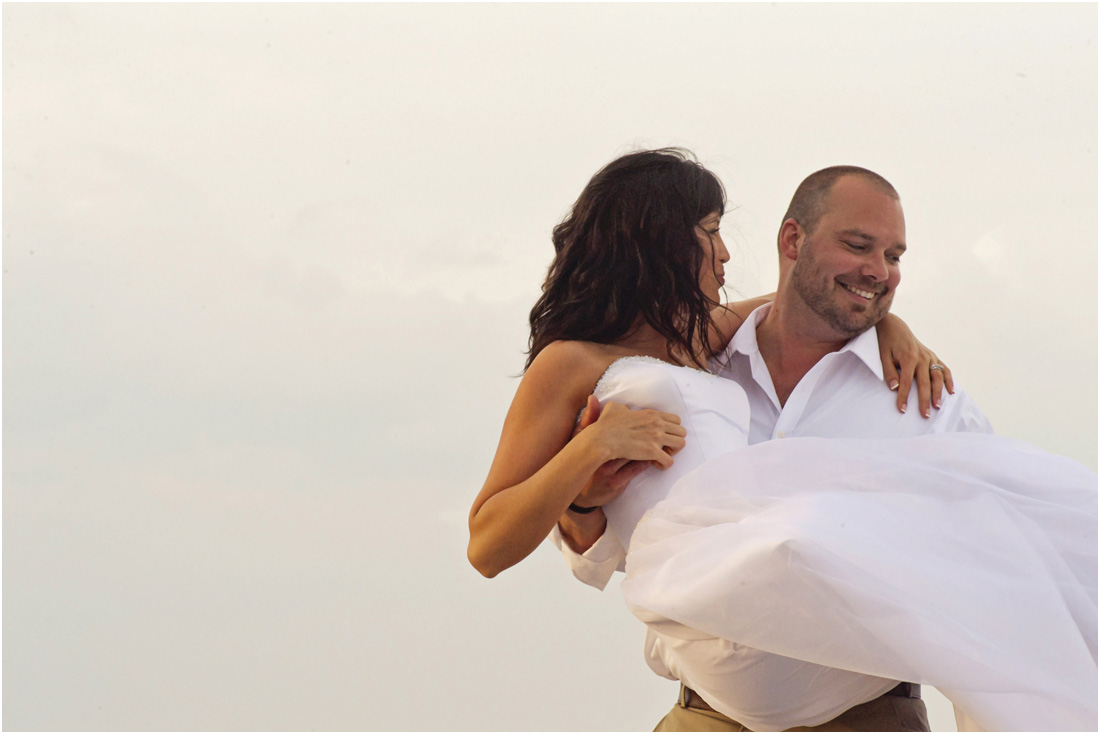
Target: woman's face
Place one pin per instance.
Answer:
(715, 255)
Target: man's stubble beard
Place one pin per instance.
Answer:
(819, 294)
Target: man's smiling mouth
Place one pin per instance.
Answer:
(859, 292)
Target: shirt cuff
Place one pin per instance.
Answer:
(597, 564)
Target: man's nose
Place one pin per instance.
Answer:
(875, 268)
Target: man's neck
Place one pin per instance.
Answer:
(791, 344)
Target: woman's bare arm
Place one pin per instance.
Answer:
(538, 470)
(729, 316)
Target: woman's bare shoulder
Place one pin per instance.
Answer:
(572, 367)
(557, 384)
(573, 358)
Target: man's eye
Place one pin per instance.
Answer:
(894, 258)
(857, 248)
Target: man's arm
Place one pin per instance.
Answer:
(581, 530)
(592, 551)
(598, 563)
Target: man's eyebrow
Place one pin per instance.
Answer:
(857, 233)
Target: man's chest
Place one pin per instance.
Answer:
(851, 403)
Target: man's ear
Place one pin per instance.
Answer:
(790, 238)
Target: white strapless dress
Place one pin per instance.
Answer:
(964, 561)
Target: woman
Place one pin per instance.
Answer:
(627, 303)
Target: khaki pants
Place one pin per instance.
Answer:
(885, 713)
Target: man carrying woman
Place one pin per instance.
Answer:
(764, 559)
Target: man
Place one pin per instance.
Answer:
(810, 365)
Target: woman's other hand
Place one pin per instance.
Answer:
(905, 358)
(638, 435)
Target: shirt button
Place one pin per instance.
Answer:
(780, 434)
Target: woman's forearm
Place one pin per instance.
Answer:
(512, 522)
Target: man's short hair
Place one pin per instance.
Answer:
(811, 197)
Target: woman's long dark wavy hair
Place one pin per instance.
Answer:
(628, 248)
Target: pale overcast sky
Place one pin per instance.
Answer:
(267, 271)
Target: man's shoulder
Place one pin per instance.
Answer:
(959, 412)
(849, 401)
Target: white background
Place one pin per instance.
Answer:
(267, 271)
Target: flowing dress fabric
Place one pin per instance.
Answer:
(963, 561)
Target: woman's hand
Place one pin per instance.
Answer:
(903, 358)
(638, 435)
(611, 478)
(643, 430)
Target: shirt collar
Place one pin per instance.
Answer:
(864, 346)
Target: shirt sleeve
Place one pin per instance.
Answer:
(960, 414)
(597, 564)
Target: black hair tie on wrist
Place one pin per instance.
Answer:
(582, 510)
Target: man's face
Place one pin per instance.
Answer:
(848, 268)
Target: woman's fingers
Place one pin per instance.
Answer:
(663, 460)
(930, 382)
(674, 434)
(890, 376)
(677, 434)
(905, 381)
(924, 389)
(646, 435)
(937, 379)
